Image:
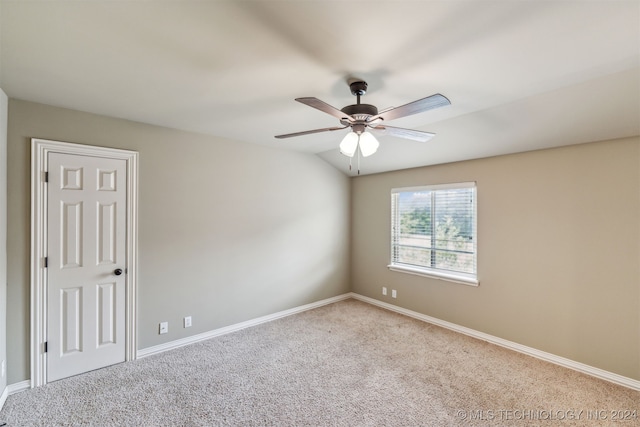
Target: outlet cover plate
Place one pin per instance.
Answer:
(164, 327)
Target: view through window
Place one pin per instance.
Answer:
(433, 230)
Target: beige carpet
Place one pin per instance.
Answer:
(345, 364)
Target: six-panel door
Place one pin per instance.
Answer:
(86, 232)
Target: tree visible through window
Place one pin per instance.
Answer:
(434, 229)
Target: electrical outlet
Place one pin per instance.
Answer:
(164, 327)
(187, 322)
(384, 290)
(394, 293)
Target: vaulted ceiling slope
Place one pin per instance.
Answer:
(521, 75)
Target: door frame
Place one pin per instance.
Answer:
(40, 148)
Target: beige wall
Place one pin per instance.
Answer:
(558, 251)
(227, 231)
(230, 231)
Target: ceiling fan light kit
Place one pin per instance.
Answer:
(349, 144)
(367, 143)
(363, 117)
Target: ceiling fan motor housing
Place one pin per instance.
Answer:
(360, 109)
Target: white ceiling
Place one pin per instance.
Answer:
(521, 75)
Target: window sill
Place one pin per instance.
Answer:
(449, 277)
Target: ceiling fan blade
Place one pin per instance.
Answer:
(324, 107)
(307, 132)
(415, 135)
(424, 104)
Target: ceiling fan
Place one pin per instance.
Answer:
(361, 117)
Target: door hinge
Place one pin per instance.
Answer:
(46, 177)
(46, 262)
(46, 346)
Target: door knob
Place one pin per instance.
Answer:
(118, 271)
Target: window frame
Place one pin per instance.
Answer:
(450, 276)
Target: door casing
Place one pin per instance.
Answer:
(40, 148)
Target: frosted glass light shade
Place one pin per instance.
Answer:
(349, 144)
(368, 144)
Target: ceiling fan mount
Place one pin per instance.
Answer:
(358, 88)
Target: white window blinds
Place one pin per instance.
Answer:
(433, 229)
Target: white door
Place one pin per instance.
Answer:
(86, 241)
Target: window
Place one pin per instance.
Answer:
(433, 231)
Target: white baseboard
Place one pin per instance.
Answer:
(13, 389)
(238, 326)
(3, 397)
(543, 355)
(18, 387)
(539, 354)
